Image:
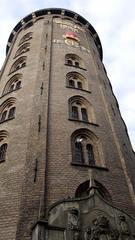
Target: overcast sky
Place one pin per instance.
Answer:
(114, 21)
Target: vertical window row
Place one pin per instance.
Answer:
(25, 47)
(83, 145)
(7, 108)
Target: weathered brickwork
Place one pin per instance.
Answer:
(38, 169)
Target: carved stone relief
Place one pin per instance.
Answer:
(102, 230)
(73, 218)
(90, 219)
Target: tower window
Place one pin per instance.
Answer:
(85, 148)
(77, 64)
(75, 112)
(7, 109)
(13, 84)
(3, 116)
(90, 154)
(11, 113)
(19, 63)
(79, 108)
(78, 152)
(84, 114)
(76, 80)
(69, 62)
(23, 49)
(11, 88)
(71, 83)
(18, 84)
(79, 85)
(83, 151)
(73, 60)
(3, 149)
(26, 37)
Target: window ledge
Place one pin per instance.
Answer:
(7, 120)
(79, 89)
(77, 120)
(75, 66)
(89, 166)
(10, 92)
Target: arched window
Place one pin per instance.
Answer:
(18, 85)
(75, 112)
(86, 148)
(90, 154)
(26, 37)
(69, 62)
(71, 83)
(7, 109)
(23, 49)
(80, 109)
(76, 64)
(79, 85)
(11, 88)
(73, 60)
(84, 189)
(11, 112)
(76, 80)
(3, 145)
(84, 114)
(14, 83)
(3, 149)
(3, 116)
(19, 63)
(78, 152)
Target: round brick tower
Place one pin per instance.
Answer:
(61, 132)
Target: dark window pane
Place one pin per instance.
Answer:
(4, 114)
(75, 112)
(77, 64)
(18, 84)
(11, 112)
(69, 62)
(90, 154)
(11, 88)
(84, 114)
(3, 150)
(18, 66)
(78, 152)
(79, 85)
(71, 83)
(23, 64)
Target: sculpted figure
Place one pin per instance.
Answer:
(101, 230)
(124, 228)
(73, 217)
